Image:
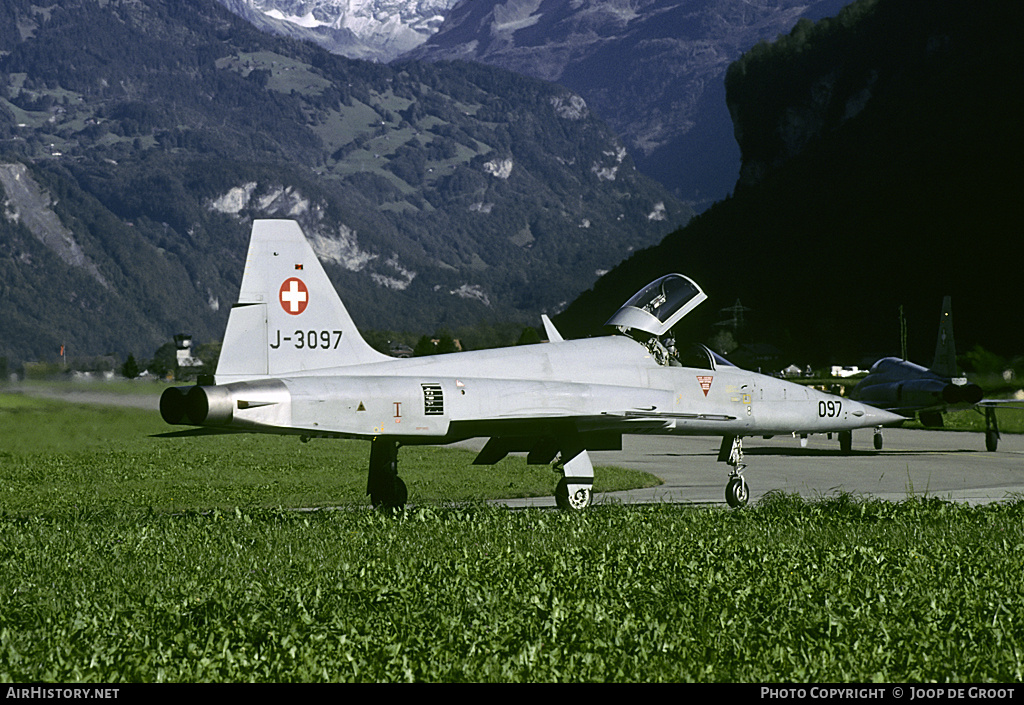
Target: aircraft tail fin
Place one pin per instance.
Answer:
(289, 317)
(945, 348)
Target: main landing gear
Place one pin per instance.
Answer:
(575, 498)
(386, 489)
(991, 434)
(737, 493)
(845, 442)
(388, 492)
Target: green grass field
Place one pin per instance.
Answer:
(56, 456)
(127, 557)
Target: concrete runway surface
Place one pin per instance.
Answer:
(949, 465)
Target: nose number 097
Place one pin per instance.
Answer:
(829, 409)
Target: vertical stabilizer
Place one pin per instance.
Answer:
(945, 348)
(289, 317)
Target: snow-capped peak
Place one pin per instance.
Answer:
(393, 26)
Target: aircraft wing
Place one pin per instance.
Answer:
(549, 329)
(653, 415)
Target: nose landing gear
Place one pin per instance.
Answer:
(736, 491)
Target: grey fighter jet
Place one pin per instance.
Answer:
(292, 362)
(908, 389)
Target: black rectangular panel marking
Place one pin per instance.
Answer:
(433, 399)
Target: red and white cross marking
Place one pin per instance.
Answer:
(294, 296)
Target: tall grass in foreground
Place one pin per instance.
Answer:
(125, 556)
(835, 590)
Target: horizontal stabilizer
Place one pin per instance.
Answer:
(1001, 403)
(200, 431)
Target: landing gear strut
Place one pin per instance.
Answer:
(991, 429)
(386, 489)
(736, 491)
(845, 442)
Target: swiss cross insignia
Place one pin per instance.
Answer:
(294, 296)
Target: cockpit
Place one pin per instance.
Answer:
(701, 357)
(649, 315)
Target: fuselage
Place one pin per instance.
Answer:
(611, 385)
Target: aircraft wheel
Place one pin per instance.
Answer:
(580, 499)
(737, 493)
(846, 441)
(991, 441)
(878, 441)
(393, 498)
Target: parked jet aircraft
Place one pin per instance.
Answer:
(908, 389)
(292, 362)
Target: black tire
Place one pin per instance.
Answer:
(737, 493)
(878, 441)
(393, 498)
(991, 441)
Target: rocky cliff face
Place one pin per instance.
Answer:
(787, 95)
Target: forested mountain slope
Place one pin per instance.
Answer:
(654, 69)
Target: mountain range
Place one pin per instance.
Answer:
(654, 70)
(139, 139)
(870, 151)
(880, 171)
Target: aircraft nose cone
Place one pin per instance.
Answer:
(879, 417)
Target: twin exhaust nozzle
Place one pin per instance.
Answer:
(962, 394)
(199, 406)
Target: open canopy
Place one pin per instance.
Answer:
(659, 305)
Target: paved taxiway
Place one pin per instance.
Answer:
(945, 464)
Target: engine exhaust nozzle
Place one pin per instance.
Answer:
(209, 406)
(172, 405)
